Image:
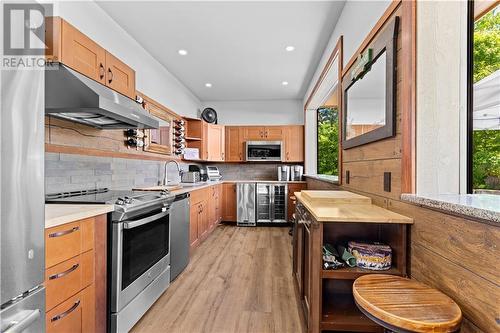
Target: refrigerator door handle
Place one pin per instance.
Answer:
(271, 204)
(21, 325)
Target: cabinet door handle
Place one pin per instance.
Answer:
(65, 313)
(110, 72)
(63, 233)
(60, 275)
(101, 71)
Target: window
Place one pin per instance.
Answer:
(328, 140)
(484, 98)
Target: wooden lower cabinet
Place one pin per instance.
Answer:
(292, 188)
(326, 295)
(229, 202)
(75, 277)
(214, 206)
(204, 213)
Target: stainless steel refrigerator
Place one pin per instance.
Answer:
(22, 201)
(272, 203)
(245, 204)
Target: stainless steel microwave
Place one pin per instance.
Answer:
(264, 151)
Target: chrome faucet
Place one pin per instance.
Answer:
(165, 180)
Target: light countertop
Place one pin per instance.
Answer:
(198, 186)
(480, 206)
(57, 214)
(348, 212)
(325, 178)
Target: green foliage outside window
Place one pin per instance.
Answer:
(486, 143)
(328, 141)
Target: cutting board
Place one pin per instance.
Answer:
(159, 188)
(335, 197)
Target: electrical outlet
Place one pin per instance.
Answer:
(387, 181)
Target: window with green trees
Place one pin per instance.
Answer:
(486, 102)
(328, 141)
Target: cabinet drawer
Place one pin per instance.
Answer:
(68, 278)
(199, 195)
(62, 242)
(66, 317)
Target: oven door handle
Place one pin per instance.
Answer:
(133, 224)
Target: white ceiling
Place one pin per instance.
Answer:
(237, 46)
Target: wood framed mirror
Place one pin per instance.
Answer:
(369, 92)
(159, 140)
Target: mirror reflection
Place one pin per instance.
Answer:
(365, 101)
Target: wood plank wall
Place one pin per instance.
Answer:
(68, 137)
(454, 254)
(367, 164)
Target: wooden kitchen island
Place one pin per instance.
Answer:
(336, 217)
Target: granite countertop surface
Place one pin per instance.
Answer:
(324, 178)
(481, 206)
(58, 214)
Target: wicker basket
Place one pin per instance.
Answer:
(374, 256)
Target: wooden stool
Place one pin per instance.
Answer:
(403, 305)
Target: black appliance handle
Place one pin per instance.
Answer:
(180, 197)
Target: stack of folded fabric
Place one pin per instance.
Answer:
(334, 258)
(331, 258)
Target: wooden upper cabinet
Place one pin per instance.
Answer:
(273, 133)
(81, 53)
(68, 45)
(119, 76)
(294, 143)
(234, 144)
(214, 142)
(263, 133)
(253, 133)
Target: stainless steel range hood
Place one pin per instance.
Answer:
(72, 96)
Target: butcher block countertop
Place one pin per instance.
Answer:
(57, 214)
(344, 206)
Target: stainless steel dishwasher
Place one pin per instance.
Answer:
(179, 234)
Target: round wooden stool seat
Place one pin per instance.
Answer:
(404, 305)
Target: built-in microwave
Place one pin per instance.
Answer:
(264, 151)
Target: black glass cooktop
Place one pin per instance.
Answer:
(98, 196)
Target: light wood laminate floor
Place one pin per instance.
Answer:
(238, 280)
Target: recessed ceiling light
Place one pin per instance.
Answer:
(290, 48)
(182, 52)
(285, 83)
(208, 85)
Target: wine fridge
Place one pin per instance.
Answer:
(271, 205)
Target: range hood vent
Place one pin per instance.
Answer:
(72, 96)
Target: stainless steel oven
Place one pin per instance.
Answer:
(140, 263)
(141, 251)
(138, 249)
